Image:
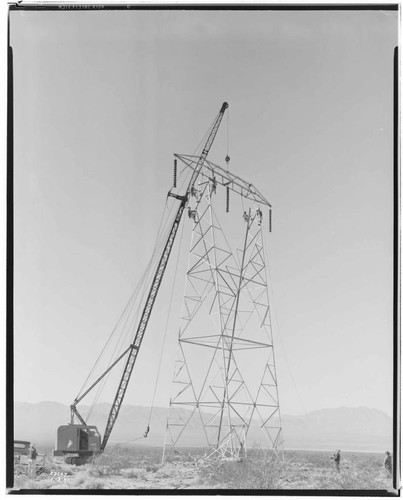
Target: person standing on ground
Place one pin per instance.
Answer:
(242, 453)
(336, 458)
(387, 463)
(32, 454)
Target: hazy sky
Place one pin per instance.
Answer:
(103, 100)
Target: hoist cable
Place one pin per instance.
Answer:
(109, 339)
(125, 442)
(126, 311)
(131, 301)
(130, 321)
(121, 339)
(166, 325)
(278, 336)
(157, 250)
(243, 206)
(175, 371)
(134, 320)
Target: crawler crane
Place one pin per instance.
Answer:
(77, 441)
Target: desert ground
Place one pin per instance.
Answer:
(140, 468)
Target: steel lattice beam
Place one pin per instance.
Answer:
(234, 296)
(225, 178)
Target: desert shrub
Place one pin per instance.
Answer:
(84, 480)
(183, 455)
(93, 485)
(43, 471)
(25, 483)
(117, 458)
(79, 479)
(59, 486)
(251, 473)
(45, 484)
(63, 467)
(133, 473)
(98, 471)
(315, 470)
(360, 478)
(153, 468)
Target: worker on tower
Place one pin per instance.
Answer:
(213, 185)
(245, 217)
(259, 216)
(192, 214)
(387, 463)
(196, 193)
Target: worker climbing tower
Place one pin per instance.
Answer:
(224, 383)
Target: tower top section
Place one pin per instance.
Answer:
(225, 178)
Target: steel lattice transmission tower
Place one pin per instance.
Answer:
(224, 383)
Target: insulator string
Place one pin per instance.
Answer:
(175, 171)
(227, 131)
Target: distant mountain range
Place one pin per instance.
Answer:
(349, 429)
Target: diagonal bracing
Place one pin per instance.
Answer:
(225, 384)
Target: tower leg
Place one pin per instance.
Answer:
(225, 385)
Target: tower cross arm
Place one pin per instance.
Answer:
(225, 178)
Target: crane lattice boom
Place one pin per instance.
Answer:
(117, 403)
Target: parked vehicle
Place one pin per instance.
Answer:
(21, 454)
(21, 447)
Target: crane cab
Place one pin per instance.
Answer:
(77, 442)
